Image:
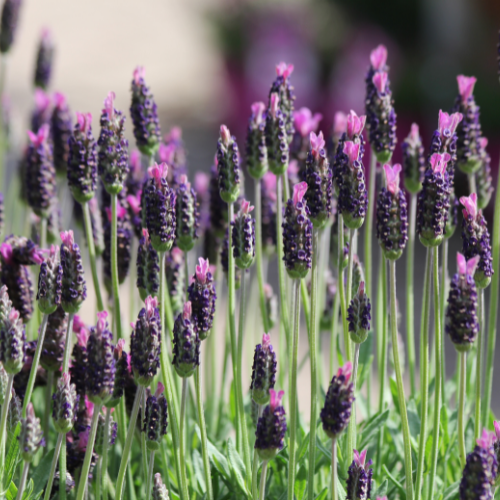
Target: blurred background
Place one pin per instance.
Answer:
(207, 60)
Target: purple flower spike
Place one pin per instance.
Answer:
(228, 161)
(12, 342)
(145, 343)
(8, 24)
(21, 250)
(74, 288)
(64, 404)
(51, 357)
(284, 90)
(79, 357)
(378, 58)
(263, 371)
(217, 206)
(31, 435)
(476, 240)
(122, 374)
(484, 180)
(359, 315)
(271, 427)
(50, 283)
(160, 491)
(155, 419)
(82, 159)
(148, 268)
(359, 481)
(243, 228)
(305, 122)
(113, 147)
(276, 137)
(44, 59)
(101, 429)
(336, 413)
(256, 149)
(40, 174)
(61, 126)
(413, 160)
(186, 341)
(268, 221)
(187, 214)
(42, 111)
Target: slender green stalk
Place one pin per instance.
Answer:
(3, 424)
(204, 440)
(493, 312)
(255, 467)
(34, 365)
(98, 481)
(443, 294)
(437, 386)
(472, 183)
(479, 363)
(258, 254)
(48, 406)
(104, 464)
(67, 345)
(399, 381)
(92, 256)
(144, 454)
(343, 298)
(293, 391)
(410, 297)
(182, 422)
(334, 332)
(352, 245)
(150, 474)
(22, 481)
(351, 429)
(424, 372)
(128, 444)
(462, 360)
(114, 267)
(262, 487)
(334, 470)
(53, 466)
(369, 225)
(62, 470)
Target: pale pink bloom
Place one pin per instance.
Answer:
(392, 177)
(283, 69)
(470, 204)
(299, 190)
(466, 86)
(39, 138)
(276, 398)
(355, 124)
(378, 57)
(202, 269)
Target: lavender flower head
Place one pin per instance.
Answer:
(228, 161)
(304, 123)
(51, 357)
(392, 215)
(31, 435)
(122, 373)
(201, 294)
(160, 491)
(64, 404)
(61, 125)
(44, 60)
(336, 413)
(283, 88)
(159, 201)
(297, 234)
(82, 159)
(148, 267)
(263, 371)
(113, 147)
(42, 111)
(480, 471)
(74, 288)
(256, 149)
(22, 251)
(496, 447)
(276, 137)
(444, 139)
(155, 418)
(145, 343)
(413, 160)
(469, 129)
(79, 358)
(433, 202)
(318, 176)
(359, 315)
(8, 24)
(461, 320)
(50, 283)
(359, 481)
(100, 433)
(338, 130)
(40, 175)
(476, 240)
(271, 427)
(187, 214)
(243, 228)
(484, 180)
(175, 274)
(144, 114)
(12, 342)
(186, 341)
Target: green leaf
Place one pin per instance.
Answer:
(41, 474)
(372, 427)
(395, 482)
(237, 466)
(451, 492)
(28, 491)
(322, 495)
(340, 489)
(304, 446)
(11, 492)
(300, 483)
(381, 491)
(394, 392)
(217, 458)
(340, 356)
(12, 455)
(198, 471)
(413, 418)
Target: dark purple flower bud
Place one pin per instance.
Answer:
(359, 480)
(218, 208)
(263, 371)
(243, 240)
(284, 90)
(136, 174)
(228, 161)
(433, 202)
(51, 357)
(50, 283)
(256, 150)
(44, 59)
(145, 343)
(148, 268)
(476, 240)
(5, 305)
(21, 378)
(42, 112)
(144, 114)
(496, 446)
(82, 159)
(201, 186)
(21, 250)
(268, 220)
(12, 342)
(31, 435)
(202, 296)
(336, 413)
(187, 215)
(224, 260)
(297, 234)
(484, 180)
(122, 373)
(359, 315)
(101, 429)
(160, 491)
(15, 412)
(113, 147)
(186, 341)
(413, 160)
(155, 418)
(100, 374)
(276, 137)
(175, 275)
(79, 359)
(159, 200)
(40, 175)
(74, 288)
(271, 305)
(480, 471)
(64, 404)
(271, 427)
(8, 24)
(338, 130)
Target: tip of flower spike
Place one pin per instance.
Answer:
(6, 251)
(351, 149)
(470, 204)
(30, 411)
(78, 324)
(139, 73)
(486, 440)
(13, 315)
(59, 100)
(151, 304)
(134, 203)
(378, 57)
(466, 86)
(483, 142)
(40, 137)
(380, 81)
(84, 121)
(3, 292)
(283, 69)
(392, 177)
(145, 233)
(225, 135)
(159, 389)
(355, 124)
(183, 179)
(317, 143)
(42, 100)
(66, 378)
(467, 267)
(135, 160)
(361, 288)
(305, 122)
(266, 340)
(360, 458)
(82, 336)
(496, 425)
(167, 153)
(37, 255)
(276, 398)
(187, 310)
(175, 135)
(202, 269)
(447, 123)
(158, 172)
(439, 162)
(258, 109)
(269, 181)
(201, 183)
(120, 346)
(67, 238)
(299, 190)
(339, 123)
(177, 255)
(101, 321)
(83, 439)
(414, 132)
(346, 371)
(273, 107)
(246, 208)
(109, 108)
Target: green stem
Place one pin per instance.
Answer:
(462, 359)
(3, 424)
(479, 364)
(424, 371)
(34, 365)
(22, 481)
(262, 487)
(128, 444)
(343, 299)
(62, 470)
(114, 266)
(437, 385)
(442, 297)
(351, 430)
(399, 382)
(92, 256)
(98, 480)
(67, 345)
(334, 470)
(352, 244)
(48, 405)
(144, 453)
(258, 254)
(410, 297)
(472, 183)
(204, 440)
(53, 466)
(334, 333)
(104, 464)
(293, 389)
(255, 467)
(150, 474)
(369, 225)
(182, 421)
